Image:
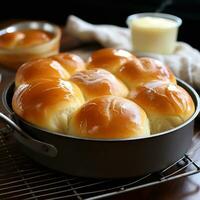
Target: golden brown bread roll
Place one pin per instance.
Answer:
(47, 104)
(10, 40)
(140, 71)
(45, 100)
(71, 62)
(167, 105)
(99, 82)
(109, 117)
(24, 45)
(109, 58)
(44, 68)
(24, 38)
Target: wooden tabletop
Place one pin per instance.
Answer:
(187, 188)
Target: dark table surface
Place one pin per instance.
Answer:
(187, 188)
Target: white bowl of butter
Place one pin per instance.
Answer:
(154, 32)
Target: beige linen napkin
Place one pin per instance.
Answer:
(185, 61)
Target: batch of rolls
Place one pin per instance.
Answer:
(112, 95)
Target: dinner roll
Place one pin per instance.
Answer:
(23, 38)
(167, 105)
(139, 71)
(71, 62)
(99, 82)
(34, 37)
(109, 117)
(109, 58)
(44, 68)
(48, 103)
(10, 40)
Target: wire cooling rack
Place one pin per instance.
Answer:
(21, 178)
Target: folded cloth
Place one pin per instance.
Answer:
(184, 62)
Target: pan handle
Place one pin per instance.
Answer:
(28, 141)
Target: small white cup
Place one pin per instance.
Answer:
(154, 32)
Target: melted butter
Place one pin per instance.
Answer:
(122, 53)
(98, 82)
(152, 34)
(172, 88)
(154, 23)
(96, 76)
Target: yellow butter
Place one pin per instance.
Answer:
(154, 34)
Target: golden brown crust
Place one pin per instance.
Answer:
(99, 82)
(140, 71)
(71, 62)
(45, 100)
(43, 103)
(109, 117)
(24, 38)
(44, 68)
(109, 58)
(164, 101)
(163, 98)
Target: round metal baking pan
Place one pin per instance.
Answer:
(99, 158)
